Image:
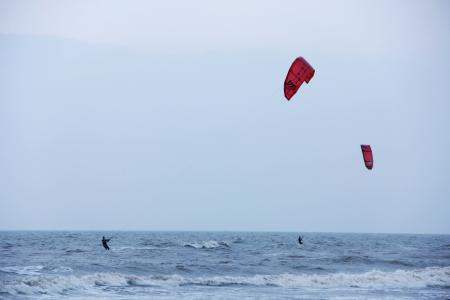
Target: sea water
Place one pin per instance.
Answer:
(223, 265)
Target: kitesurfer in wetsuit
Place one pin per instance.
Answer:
(105, 243)
(300, 240)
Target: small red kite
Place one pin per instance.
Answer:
(367, 155)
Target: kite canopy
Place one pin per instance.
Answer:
(367, 155)
(299, 72)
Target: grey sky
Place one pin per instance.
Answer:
(171, 116)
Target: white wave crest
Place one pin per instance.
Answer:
(419, 278)
(207, 244)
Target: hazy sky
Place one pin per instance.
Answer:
(170, 115)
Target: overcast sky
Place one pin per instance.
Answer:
(170, 115)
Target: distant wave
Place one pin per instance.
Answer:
(238, 240)
(367, 260)
(75, 251)
(158, 244)
(353, 259)
(34, 270)
(207, 244)
(23, 270)
(127, 248)
(419, 278)
(445, 247)
(61, 269)
(6, 246)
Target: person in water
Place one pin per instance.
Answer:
(105, 243)
(300, 241)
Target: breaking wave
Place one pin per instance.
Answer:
(419, 278)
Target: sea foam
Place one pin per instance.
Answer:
(418, 278)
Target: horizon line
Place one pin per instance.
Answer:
(219, 231)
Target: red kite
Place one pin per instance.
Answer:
(367, 155)
(299, 72)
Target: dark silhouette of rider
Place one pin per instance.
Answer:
(105, 243)
(300, 241)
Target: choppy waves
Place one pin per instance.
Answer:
(63, 284)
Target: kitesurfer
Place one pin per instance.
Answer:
(300, 241)
(105, 243)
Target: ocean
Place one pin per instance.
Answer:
(223, 265)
